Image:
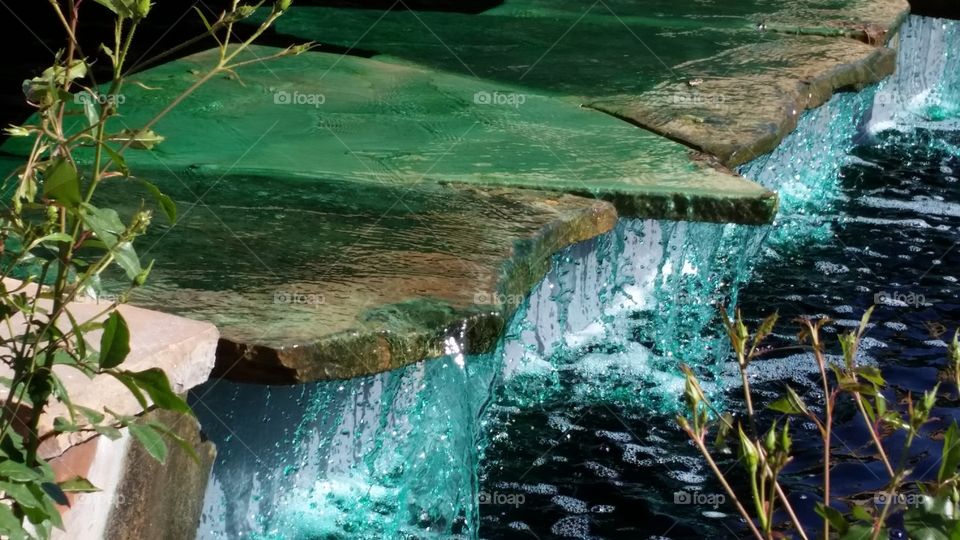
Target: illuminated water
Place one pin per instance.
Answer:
(566, 429)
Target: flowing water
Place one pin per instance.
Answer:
(566, 429)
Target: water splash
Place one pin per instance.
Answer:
(925, 89)
(386, 456)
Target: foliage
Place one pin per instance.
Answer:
(929, 509)
(59, 244)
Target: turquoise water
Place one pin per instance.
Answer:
(519, 441)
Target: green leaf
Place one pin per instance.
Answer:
(931, 520)
(155, 383)
(783, 405)
(127, 9)
(93, 416)
(23, 496)
(115, 341)
(52, 238)
(792, 403)
(864, 321)
(46, 87)
(105, 223)
(848, 385)
(143, 275)
(145, 140)
(10, 525)
(151, 440)
(126, 380)
(62, 183)
(63, 425)
(54, 492)
(48, 514)
(748, 451)
(88, 101)
(109, 52)
(862, 532)
(166, 203)
(109, 432)
(832, 515)
(117, 159)
(78, 484)
(178, 440)
(868, 408)
(765, 329)
(872, 374)
(17, 472)
(128, 259)
(860, 514)
(203, 18)
(950, 459)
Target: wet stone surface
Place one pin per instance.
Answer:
(342, 215)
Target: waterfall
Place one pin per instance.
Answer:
(925, 88)
(398, 454)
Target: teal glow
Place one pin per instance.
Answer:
(397, 455)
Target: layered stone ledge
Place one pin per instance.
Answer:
(738, 117)
(341, 216)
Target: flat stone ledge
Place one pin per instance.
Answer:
(738, 115)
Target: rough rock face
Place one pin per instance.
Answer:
(162, 501)
(737, 116)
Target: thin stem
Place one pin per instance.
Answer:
(873, 434)
(755, 491)
(723, 481)
(827, 430)
(742, 364)
(789, 509)
(892, 491)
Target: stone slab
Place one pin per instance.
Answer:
(333, 118)
(335, 280)
(691, 71)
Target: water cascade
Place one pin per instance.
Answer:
(401, 454)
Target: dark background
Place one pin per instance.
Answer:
(33, 35)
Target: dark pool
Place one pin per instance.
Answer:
(606, 472)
